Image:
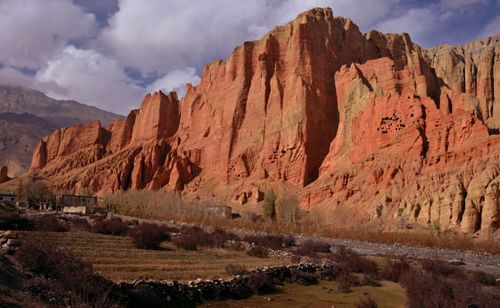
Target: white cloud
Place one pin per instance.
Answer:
(13, 77)
(31, 31)
(176, 81)
(166, 35)
(91, 78)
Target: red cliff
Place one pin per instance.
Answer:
(370, 128)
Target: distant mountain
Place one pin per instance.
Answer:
(26, 115)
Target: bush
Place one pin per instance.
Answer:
(425, 289)
(354, 262)
(50, 224)
(219, 237)
(192, 237)
(62, 275)
(16, 223)
(393, 269)
(112, 226)
(79, 224)
(275, 242)
(303, 278)
(149, 236)
(367, 303)
(311, 248)
(484, 278)
(258, 251)
(346, 280)
(442, 268)
(235, 270)
(186, 243)
(370, 280)
(260, 283)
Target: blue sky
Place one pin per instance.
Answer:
(109, 53)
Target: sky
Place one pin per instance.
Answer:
(110, 53)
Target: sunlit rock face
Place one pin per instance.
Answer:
(370, 128)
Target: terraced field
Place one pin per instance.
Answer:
(117, 259)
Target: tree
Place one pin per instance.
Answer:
(287, 208)
(36, 193)
(269, 206)
(20, 192)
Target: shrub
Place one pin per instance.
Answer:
(185, 242)
(16, 223)
(61, 274)
(425, 289)
(149, 236)
(192, 237)
(345, 280)
(442, 268)
(393, 269)
(112, 226)
(234, 270)
(258, 251)
(311, 248)
(50, 224)
(260, 283)
(303, 278)
(271, 241)
(79, 224)
(354, 262)
(484, 278)
(370, 280)
(367, 303)
(219, 237)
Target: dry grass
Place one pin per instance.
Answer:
(117, 259)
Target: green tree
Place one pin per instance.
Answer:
(269, 206)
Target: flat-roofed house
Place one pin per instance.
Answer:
(76, 204)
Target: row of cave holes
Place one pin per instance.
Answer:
(387, 122)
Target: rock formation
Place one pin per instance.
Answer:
(371, 128)
(4, 175)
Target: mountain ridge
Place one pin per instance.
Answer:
(27, 115)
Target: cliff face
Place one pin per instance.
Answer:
(370, 127)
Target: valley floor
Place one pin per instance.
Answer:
(324, 294)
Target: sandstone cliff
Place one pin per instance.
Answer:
(371, 128)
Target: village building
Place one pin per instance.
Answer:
(75, 204)
(8, 197)
(221, 211)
